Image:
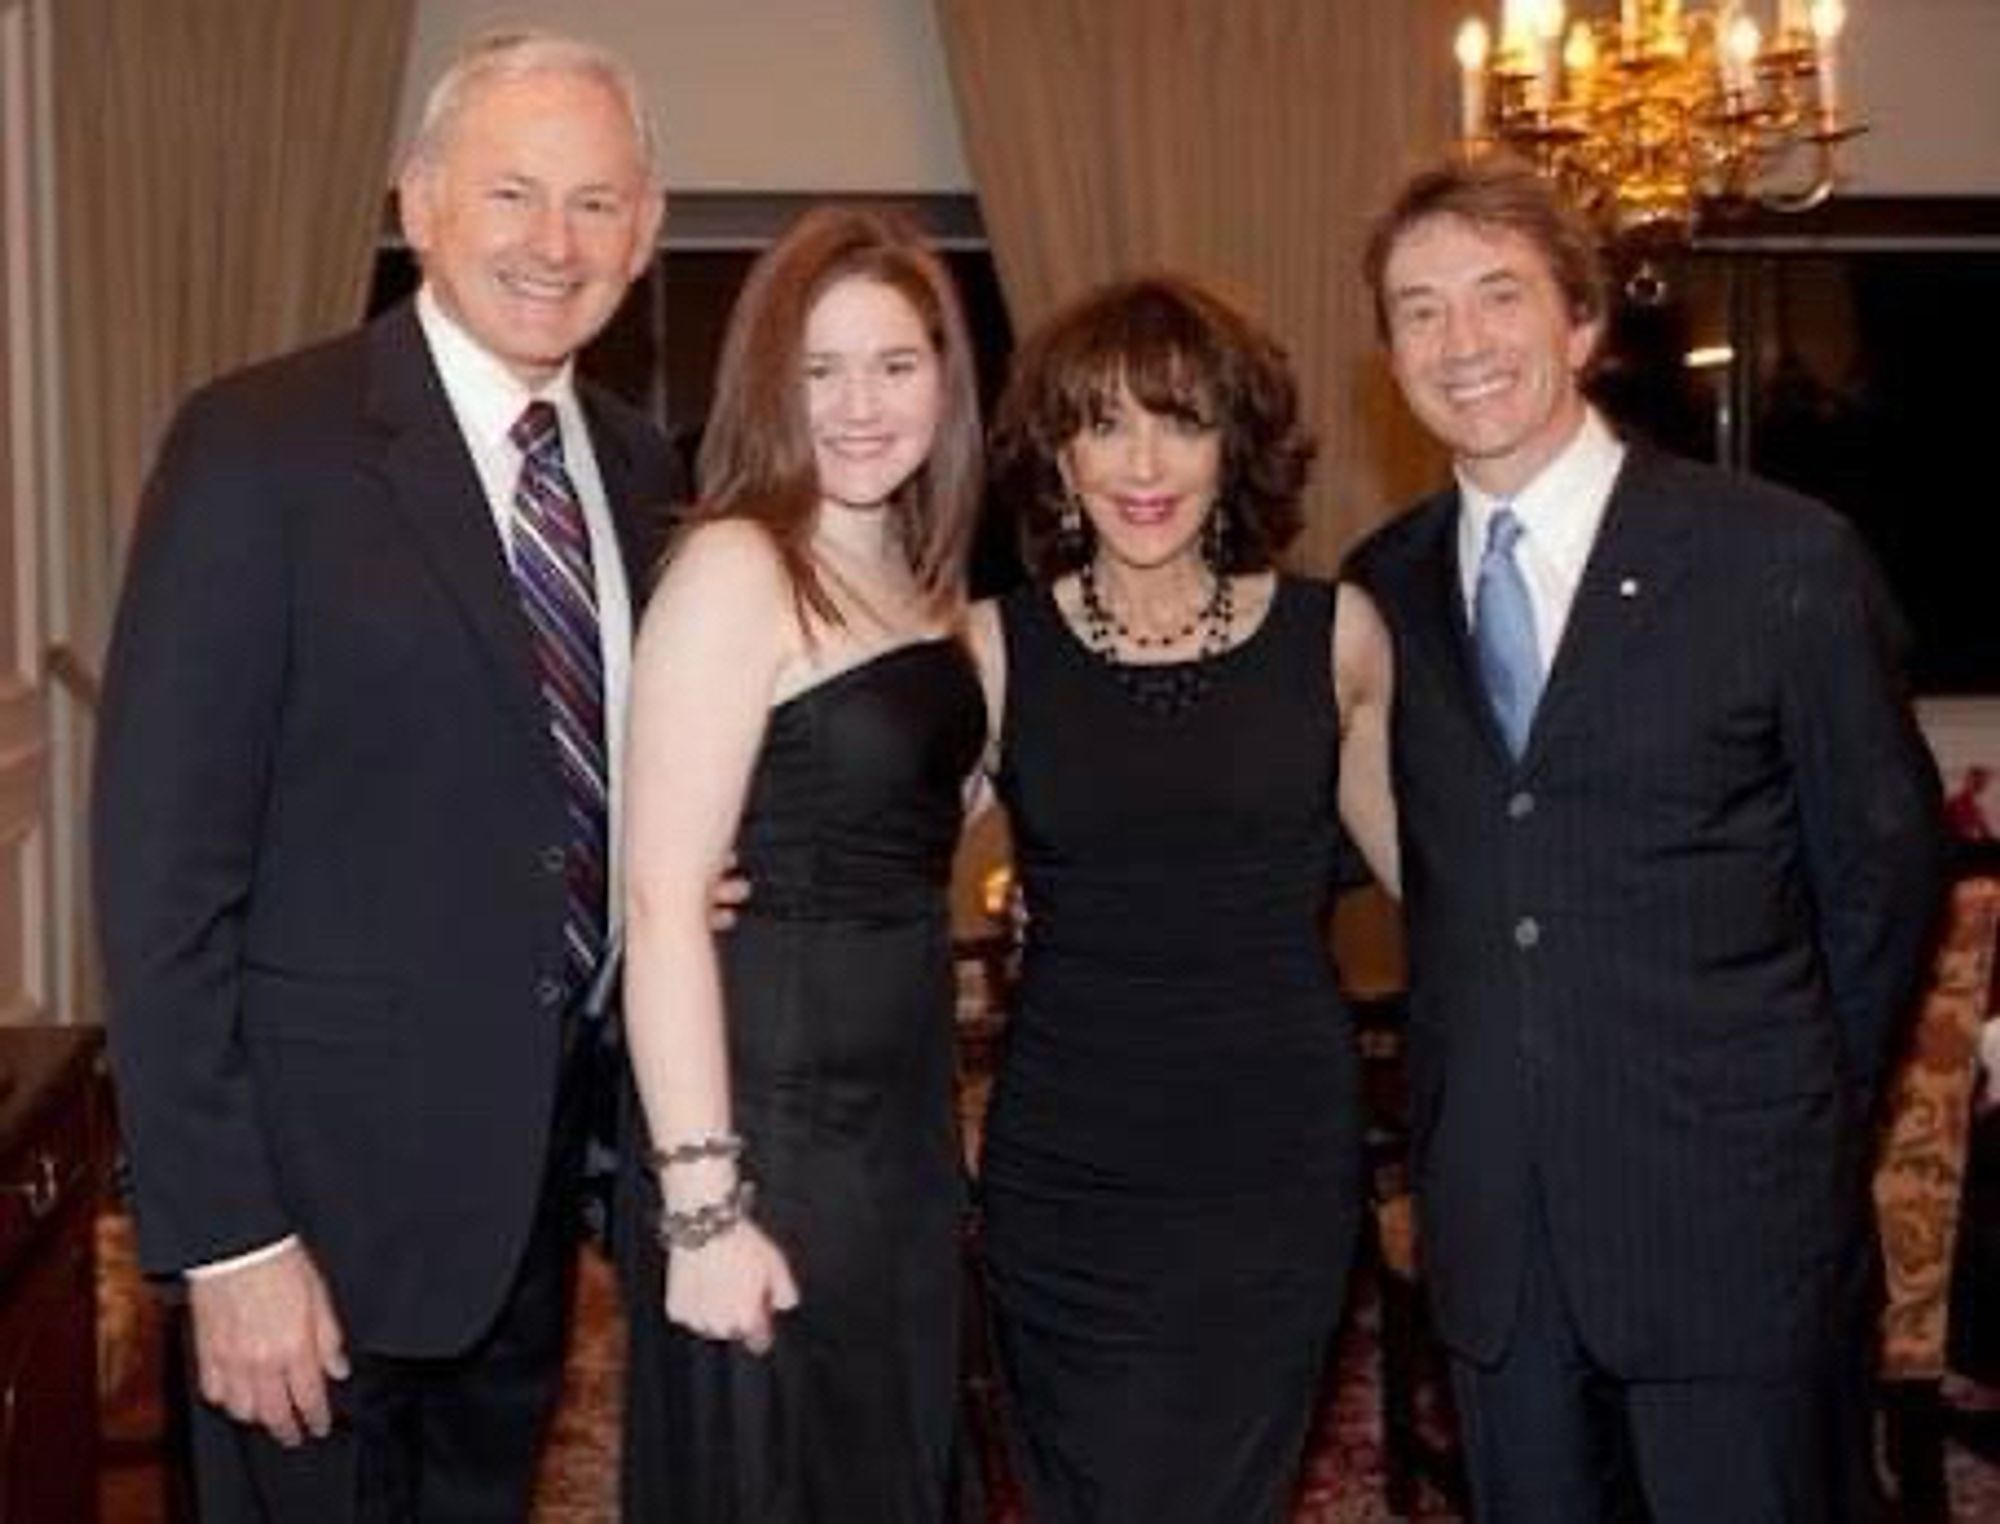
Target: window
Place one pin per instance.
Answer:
(1853, 368)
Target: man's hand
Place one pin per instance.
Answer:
(266, 1339)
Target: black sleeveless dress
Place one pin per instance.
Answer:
(837, 982)
(1172, 1167)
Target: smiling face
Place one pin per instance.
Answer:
(1485, 347)
(873, 394)
(533, 216)
(1147, 480)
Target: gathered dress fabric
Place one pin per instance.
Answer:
(838, 993)
(1171, 1175)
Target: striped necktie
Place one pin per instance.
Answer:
(1503, 632)
(552, 573)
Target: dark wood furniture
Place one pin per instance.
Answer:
(52, 1147)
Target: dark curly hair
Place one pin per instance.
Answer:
(1181, 350)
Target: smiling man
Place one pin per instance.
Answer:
(353, 808)
(1669, 861)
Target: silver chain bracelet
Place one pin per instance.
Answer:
(724, 1145)
(702, 1225)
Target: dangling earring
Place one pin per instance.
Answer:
(1215, 539)
(1069, 528)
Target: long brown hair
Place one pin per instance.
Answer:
(756, 458)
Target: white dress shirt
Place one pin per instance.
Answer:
(487, 398)
(1560, 513)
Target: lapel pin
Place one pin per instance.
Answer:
(1629, 588)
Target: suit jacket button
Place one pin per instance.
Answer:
(554, 859)
(549, 992)
(1520, 806)
(1527, 932)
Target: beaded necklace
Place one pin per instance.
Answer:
(1164, 688)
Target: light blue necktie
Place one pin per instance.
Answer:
(1503, 633)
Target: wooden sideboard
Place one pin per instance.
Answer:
(53, 1143)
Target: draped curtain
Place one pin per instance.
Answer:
(1247, 141)
(220, 168)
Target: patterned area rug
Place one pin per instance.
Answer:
(1342, 1482)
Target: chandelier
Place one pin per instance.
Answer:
(1652, 118)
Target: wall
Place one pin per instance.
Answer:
(757, 95)
(851, 95)
(1926, 74)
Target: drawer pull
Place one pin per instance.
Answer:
(43, 1187)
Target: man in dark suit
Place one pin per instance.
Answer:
(353, 822)
(1669, 861)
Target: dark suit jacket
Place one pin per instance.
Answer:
(326, 838)
(1659, 963)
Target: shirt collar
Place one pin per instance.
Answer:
(1562, 507)
(486, 395)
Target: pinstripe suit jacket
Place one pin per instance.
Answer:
(1659, 962)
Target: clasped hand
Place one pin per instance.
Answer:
(731, 1287)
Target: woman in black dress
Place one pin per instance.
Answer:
(799, 695)
(1172, 1166)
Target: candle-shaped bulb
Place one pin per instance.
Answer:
(1471, 44)
(1828, 17)
(1580, 61)
(1471, 47)
(1548, 50)
(1671, 35)
(1740, 45)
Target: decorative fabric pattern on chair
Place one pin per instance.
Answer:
(1922, 1168)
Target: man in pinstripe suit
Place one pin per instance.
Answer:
(1669, 840)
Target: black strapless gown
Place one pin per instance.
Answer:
(838, 987)
(1172, 1167)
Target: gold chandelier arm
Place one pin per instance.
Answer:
(1813, 195)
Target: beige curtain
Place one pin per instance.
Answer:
(1249, 141)
(221, 166)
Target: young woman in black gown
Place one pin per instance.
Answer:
(800, 697)
(1171, 1173)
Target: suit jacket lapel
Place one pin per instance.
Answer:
(1639, 556)
(627, 495)
(433, 483)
